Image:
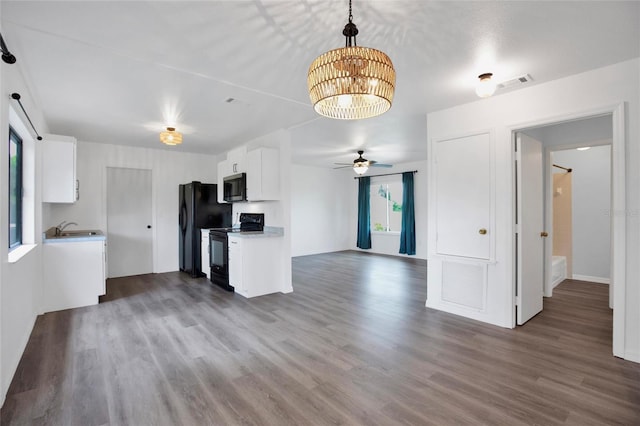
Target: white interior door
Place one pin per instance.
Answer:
(463, 199)
(530, 222)
(129, 233)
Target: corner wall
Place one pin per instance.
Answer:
(20, 282)
(320, 210)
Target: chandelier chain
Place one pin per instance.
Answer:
(350, 14)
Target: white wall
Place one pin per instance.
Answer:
(169, 169)
(320, 210)
(389, 244)
(591, 203)
(20, 282)
(572, 96)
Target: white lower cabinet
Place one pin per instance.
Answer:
(74, 274)
(255, 265)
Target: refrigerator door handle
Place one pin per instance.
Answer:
(183, 218)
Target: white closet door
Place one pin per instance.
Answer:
(129, 233)
(464, 197)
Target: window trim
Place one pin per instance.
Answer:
(17, 139)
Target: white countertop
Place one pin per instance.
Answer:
(72, 236)
(269, 232)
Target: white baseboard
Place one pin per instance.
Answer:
(600, 280)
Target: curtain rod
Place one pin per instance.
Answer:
(16, 96)
(387, 174)
(563, 168)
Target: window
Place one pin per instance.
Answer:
(386, 205)
(15, 189)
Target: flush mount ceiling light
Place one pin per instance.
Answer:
(486, 86)
(171, 137)
(352, 82)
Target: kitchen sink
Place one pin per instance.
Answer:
(79, 233)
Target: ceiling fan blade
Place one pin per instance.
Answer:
(342, 167)
(381, 165)
(343, 164)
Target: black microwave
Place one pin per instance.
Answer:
(235, 187)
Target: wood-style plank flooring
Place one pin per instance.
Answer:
(353, 344)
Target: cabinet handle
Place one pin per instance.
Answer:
(544, 234)
(77, 189)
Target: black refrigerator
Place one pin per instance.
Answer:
(198, 208)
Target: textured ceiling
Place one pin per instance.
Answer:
(118, 72)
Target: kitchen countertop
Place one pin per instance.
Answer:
(269, 232)
(72, 236)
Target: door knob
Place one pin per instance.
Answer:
(482, 231)
(148, 226)
(544, 234)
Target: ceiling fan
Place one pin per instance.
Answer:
(361, 165)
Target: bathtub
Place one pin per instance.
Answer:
(558, 270)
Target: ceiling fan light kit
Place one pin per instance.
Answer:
(171, 137)
(352, 82)
(360, 165)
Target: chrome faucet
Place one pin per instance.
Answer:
(62, 226)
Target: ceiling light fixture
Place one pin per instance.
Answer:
(352, 82)
(486, 86)
(171, 137)
(360, 164)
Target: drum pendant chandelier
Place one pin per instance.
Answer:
(352, 82)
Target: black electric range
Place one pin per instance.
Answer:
(219, 247)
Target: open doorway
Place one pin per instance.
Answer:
(580, 203)
(559, 139)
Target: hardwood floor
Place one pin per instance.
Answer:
(353, 344)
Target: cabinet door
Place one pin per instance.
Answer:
(104, 269)
(204, 253)
(236, 276)
(59, 171)
(263, 177)
(237, 159)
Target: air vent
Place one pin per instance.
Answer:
(237, 102)
(516, 81)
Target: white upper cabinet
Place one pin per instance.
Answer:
(263, 174)
(237, 159)
(59, 184)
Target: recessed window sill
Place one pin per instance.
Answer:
(19, 252)
(390, 233)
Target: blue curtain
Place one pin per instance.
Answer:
(364, 218)
(408, 229)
